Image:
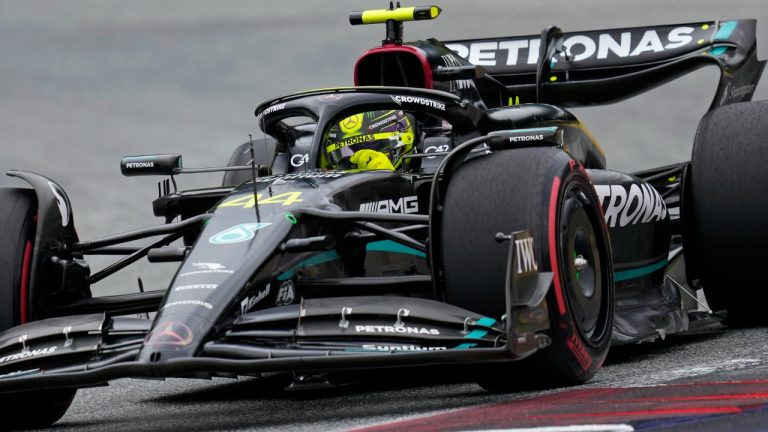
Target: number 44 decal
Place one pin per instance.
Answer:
(248, 201)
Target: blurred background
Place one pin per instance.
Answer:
(85, 82)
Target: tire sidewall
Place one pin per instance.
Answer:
(17, 231)
(584, 356)
(723, 211)
(263, 152)
(509, 191)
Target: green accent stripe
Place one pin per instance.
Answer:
(311, 261)
(479, 334)
(639, 272)
(476, 334)
(394, 247)
(486, 322)
(534, 130)
(718, 50)
(379, 246)
(464, 346)
(725, 30)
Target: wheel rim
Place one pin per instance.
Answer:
(584, 272)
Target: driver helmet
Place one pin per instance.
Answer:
(387, 131)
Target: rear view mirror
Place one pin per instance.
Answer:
(165, 164)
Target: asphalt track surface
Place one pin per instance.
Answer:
(83, 83)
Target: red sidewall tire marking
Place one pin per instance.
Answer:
(553, 244)
(24, 289)
(580, 353)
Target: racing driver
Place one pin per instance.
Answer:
(374, 140)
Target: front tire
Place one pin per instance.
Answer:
(34, 409)
(263, 149)
(17, 237)
(18, 211)
(542, 190)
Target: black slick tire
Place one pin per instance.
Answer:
(723, 211)
(263, 149)
(17, 237)
(33, 409)
(542, 190)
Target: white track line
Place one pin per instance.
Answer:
(575, 428)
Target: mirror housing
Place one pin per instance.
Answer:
(163, 164)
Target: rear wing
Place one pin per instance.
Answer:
(605, 66)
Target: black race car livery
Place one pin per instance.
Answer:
(503, 238)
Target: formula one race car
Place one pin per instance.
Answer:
(497, 236)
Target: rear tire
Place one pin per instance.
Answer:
(724, 207)
(18, 211)
(543, 190)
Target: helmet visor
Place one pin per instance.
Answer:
(388, 132)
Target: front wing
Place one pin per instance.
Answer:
(363, 332)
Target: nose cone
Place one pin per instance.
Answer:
(174, 336)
